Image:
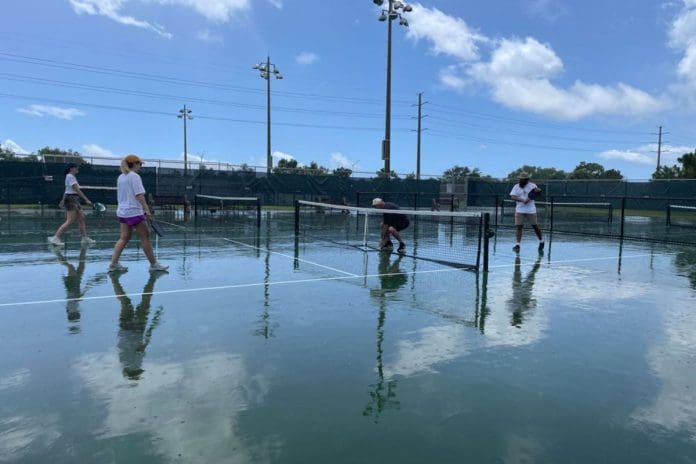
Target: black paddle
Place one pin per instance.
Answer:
(156, 228)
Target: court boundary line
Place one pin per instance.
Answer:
(287, 282)
(290, 257)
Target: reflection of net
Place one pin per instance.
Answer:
(213, 206)
(100, 194)
(452, 238)
(680, 215)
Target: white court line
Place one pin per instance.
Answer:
(225, 287)
(278, 253)
(578, 260)
(292, 257)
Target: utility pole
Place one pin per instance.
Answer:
(419, 131)
(659, 134)
(268, 70)
(185, 114)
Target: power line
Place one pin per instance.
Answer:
(437, 133)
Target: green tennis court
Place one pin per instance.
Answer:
(260, 346)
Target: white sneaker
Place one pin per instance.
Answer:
(157, 267)
(118, 267)
(88, 241)
(55, 241)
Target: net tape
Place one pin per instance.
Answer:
(407, 212)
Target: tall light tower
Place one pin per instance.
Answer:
(391, 13)
(185, 114)
(268, 70)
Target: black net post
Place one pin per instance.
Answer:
(669, 215)
(452, 202)
(623, 216)
(297, 218)
(357, 198)
(496, 210)
(486, 239)
(415, 201)
(551, 215)
(258, 212)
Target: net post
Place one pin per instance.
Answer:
(195, 206)
(297, 218)
(496, 210)
(623, 216)
(669, 215)
(357, 199)
(551, 215)
(452, 203)
(502, 210)
(258, 212)
(486, 240)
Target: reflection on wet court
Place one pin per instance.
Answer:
(258, 346)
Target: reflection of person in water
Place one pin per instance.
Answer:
(522, 301)
(383, 393)
(134, 334)
(390, 275)
(73, 285)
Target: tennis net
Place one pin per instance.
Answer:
(681, 215)
(214, 206)
(459, 239)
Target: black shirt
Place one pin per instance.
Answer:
(395, 220)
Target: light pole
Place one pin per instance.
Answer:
(268, 70)
(185, 114)
(390, 14)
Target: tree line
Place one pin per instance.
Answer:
(685, 169)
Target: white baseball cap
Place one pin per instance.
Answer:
(377, 201)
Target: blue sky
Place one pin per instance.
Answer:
(508, 82)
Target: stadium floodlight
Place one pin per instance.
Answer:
(390, 12)
(267, 70)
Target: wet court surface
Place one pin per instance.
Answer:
(256, 347)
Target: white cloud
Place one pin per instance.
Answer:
(111, 9)
(218, 11)
(92, 149)
(54, 111)
(306, 58)
(207, 36)
(339, 160)
(682, 37)
(14, 147)
(647, 154)
(519, 72)
(276, 3)
(447, 34)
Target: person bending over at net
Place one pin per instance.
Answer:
(392, 224)
(132, 214)
(523, 193)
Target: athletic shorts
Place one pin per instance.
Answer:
(132, 221)
(398, 225)
(72, 202)
(530, 217)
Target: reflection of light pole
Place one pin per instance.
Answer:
(267, 69)
(185, 114)
(391, 13)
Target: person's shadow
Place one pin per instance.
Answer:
(74, 290)
(522, 301)
(134, 332)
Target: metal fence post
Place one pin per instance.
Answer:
(297, 218)
(486, 239)
(623, 216)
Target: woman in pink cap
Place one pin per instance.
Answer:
(132, 213)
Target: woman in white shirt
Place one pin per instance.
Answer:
(73, 209)
(132, 214)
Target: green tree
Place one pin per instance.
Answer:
(538, 173)
(246, 168)
(285, 166)
(667, 172)
(411, 176)
(314, 169)
(586, 170)
(459, 173)
(7, 155)
(58, 155)
(382, 174)
(342, 172)
(688, 165)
